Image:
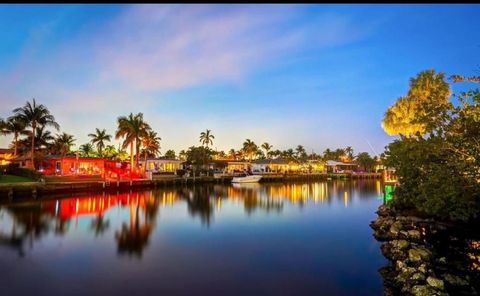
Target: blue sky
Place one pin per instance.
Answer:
(317, 75)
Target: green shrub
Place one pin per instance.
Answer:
(24, 172)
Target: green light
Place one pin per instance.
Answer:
(388, 193)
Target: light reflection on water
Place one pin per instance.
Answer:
(288, 239)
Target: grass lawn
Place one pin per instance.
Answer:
(13, 179)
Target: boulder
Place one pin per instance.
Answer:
(400, 244)
(418, 277)
(395, 228)
(421, 290)
(414, 234)
(435, 283)
(384, 211)
(419, 254)
(422, 268)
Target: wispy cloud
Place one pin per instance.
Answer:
(146, 51)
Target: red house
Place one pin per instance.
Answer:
(86, 166)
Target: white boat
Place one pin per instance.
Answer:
(247, 179)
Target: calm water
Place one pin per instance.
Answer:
(275, 239)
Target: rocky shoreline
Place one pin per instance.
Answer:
(416, 265)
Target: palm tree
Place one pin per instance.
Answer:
(132, 128)
(86, 150)
(349, 152)
(99, 138)
(300, 152)
(250, 148)
(110, 151)
(289, 154)
(35, 116)
(267, 147)
(182, 155)
(232, 154)
(16, 126)
(151, 145)
(206, 138)
(63, 143)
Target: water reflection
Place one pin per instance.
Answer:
(215, 237)
(23, 223)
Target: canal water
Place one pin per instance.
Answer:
(258, 239)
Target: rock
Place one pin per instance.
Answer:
(393, 252)
(419, 254)
(455, 280)
(422, 268)
(421, 291)
(418, 276)
(395, 228)
(414, 234)
(403, 234)
(384, 211)
(436, 283)
(400, 244)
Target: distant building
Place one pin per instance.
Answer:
(237, 166)
(341, 167)
(160, 165)
(277, 165)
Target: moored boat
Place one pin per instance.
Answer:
(247, 179)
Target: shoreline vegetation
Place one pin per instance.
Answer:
(429, 230)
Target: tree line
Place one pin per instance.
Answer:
(29, 125)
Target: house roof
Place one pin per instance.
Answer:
(6, 151)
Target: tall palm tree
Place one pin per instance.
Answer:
(151, 145)
(34, 116)
(267, 147)
(99, 138)
(16, 126)
(206, 138)
(132, 128)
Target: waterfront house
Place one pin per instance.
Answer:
(87, 166)
(162, 165)
(277, 165)
(237, 166)
(72, 165)
(341, 167)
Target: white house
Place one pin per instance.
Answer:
(160, 165)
